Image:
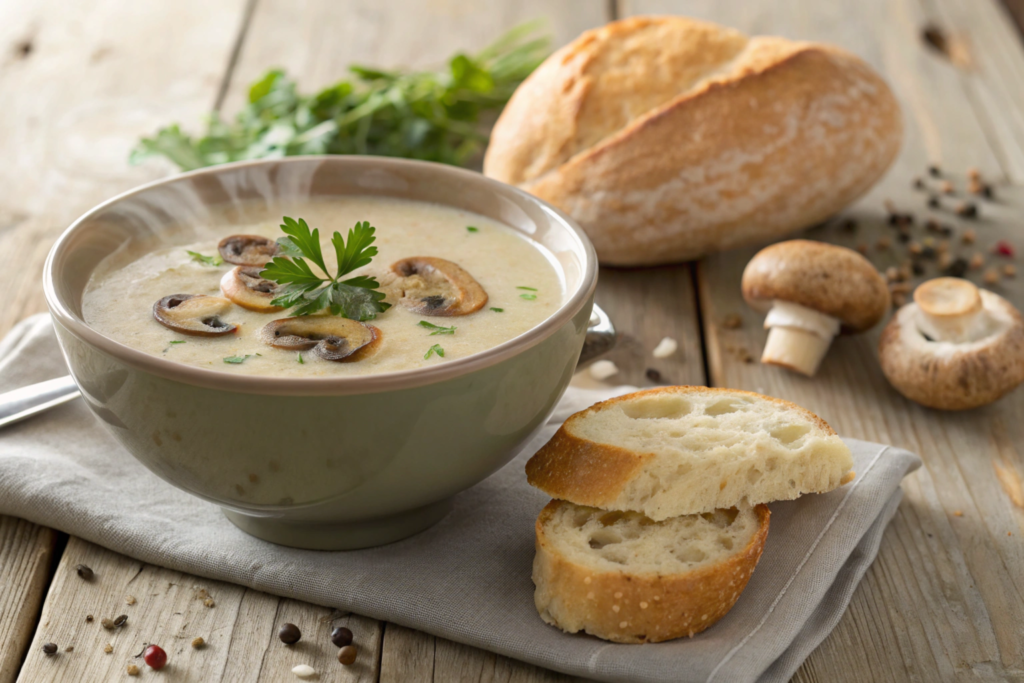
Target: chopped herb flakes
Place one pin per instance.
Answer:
(176, 341)
(497, 310)
(529, 289)
(301, 362)
(437, 329)
(238, 360)
(528, 297)
(470, 228)
(436, 348)
(207, 260)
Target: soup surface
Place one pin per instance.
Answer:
(523, 287)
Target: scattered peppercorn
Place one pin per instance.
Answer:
(155, 657)
(928, 252)
(946, 231)
(1010, 270)
(69, 648)
(947, 187)
(918, 183)
(915, 248)
(107, 624)
(198, 642)
(342, 636)
(991, 276)
(732, 321)
(84, 572)
(1004, 248)
(957, 268)
(289, 634)
(108, 648)
(986, 191)
(898, 299)
(973, 173)
(903, 237)
(977, 261)
(121, 620)
(969, 236)
(892, 274)
(862, 247)
(347, 655)
(849, 225)
(918, 268)
(883, 243)
(933, 202)
(133, 670)
(945, 260)
(208, 602)
(934, 171)
(50, 649)
(966, 210)
(88, 618)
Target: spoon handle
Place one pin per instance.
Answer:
(27, 401)
(600, 337)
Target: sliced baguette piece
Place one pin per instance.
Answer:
(676, 451)
(625, 578)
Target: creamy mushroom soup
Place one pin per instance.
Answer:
(458, 284)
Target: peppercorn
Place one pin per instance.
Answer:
(1004, 248)
(991, 276)
(341, 636)
(653, 375)
(933, 202)
(1010, 270)
(973, 173)
(967, 210)
(915, 248)
(883, 243)
(84, 572)
(133, 670)
(347, 655)
(50, 649)
(918, 268)
(155, 657)
(121, 620)
(969, 236)
(198, 642)
(934, 171)
(289, 634)
(918, 183)
(957, 268)
(946, 187)
(849, 225)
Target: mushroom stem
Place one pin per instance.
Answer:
(951, 310)
(798, 337)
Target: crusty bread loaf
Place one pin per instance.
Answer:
(623, 577)
(684, 450)
(669, 138)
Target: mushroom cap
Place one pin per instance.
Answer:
(824, 277)
(954, 376)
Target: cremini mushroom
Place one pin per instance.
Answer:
(244, 286)
(811, 291)
(436, 287)
(195, 314)
(955, 347)
(331, 337)
(247, 250)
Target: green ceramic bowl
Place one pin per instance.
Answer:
(364, 460)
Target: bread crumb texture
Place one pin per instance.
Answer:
(676, 451)
(623, 577)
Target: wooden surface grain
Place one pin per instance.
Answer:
(944, 600)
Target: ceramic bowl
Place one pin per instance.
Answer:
(328, 463)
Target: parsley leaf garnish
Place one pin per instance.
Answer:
(497, 310)
(238, 360)
(437, 329)
(470, 228)
(531, 289)
(428, 115)
(207, 260)
(436, 348)
(301, 362)
(176, 341)
(356, 298)
(528, 297)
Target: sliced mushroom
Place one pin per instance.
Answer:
(195, 314)
(330, 337)
(247, 250)
(244, 286)
(437, 287)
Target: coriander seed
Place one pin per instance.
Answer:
(198, 642)
(108, 648)
(133, 670)
(107, 623)
(50, 649)
(347, 655)
(289, 634)
(341, 636)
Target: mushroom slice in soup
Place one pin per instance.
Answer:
(435, 286)
(195, 314)
(244, 286)
(330, 337)
(247, 250)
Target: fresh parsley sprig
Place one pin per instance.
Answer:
(437, 329)
(215, 260)
(356, 298)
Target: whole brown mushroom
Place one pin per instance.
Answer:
(955, 347)
(811, 291)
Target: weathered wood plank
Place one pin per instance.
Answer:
(940, 601)
(26, 553)
(81, 82)
(239, 627)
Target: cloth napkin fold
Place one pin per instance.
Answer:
(467, 578)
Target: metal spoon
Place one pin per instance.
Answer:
(36, 398)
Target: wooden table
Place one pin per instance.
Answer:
(945, 598)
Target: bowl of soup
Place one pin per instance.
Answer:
(340, 427)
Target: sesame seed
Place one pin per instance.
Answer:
(643, 605)
(618, 595)
(586, 580)
(623, 624)
(615, 608)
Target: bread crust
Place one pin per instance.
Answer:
(585, 472)
(781, 136)
(824, 277)
(635, 608)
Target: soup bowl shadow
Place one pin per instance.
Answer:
(323, 463)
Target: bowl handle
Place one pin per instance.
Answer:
(600, 337)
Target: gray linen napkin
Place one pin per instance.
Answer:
(467, 578)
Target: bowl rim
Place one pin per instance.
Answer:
(324, 386)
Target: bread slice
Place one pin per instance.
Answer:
(623, 577)
(684, 450)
